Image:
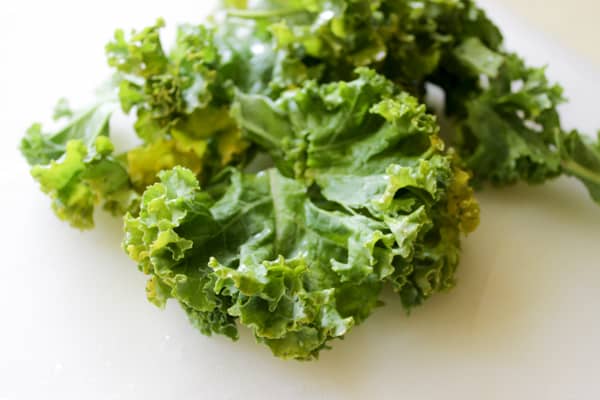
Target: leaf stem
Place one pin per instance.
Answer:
(580, 171)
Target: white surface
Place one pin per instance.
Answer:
(521, 324)
(574, 23)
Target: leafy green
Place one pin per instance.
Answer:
(163, 89)
(505, 112)
(265, 254)
(359, 141)
(76, 168)
(182, 107)
(182, 113)
(405, 40)
(509, 129)
(229, 250)
(300, 261)
(40, 147)
(358, 190)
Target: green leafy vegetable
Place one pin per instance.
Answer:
(76, 166)
(299, 263)
(407, 41)
(181, 100)
(358, 190)
(505, 112)
(40, 147)
(358, 141)
(264, 253)
(181, 114)
(163, 89)
(509, 128)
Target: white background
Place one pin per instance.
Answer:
(573, 23)
(74, 322)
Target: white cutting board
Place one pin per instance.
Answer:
(74, 323)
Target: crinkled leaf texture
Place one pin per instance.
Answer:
(303, 258)
(406, 41)
(507, 124)
(181, 97)
(76, 168)
(509, 128)
(263, 253)
(375, 153)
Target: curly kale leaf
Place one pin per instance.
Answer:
(76, 168)
(163, 88)
(404, 40)
(364, 195)
(182, 104)
(507, 124)
(40, 147)
(182, 97)
(509, 128)
(260, 252)
(358, 141)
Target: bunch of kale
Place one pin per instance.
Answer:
(354, 189)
